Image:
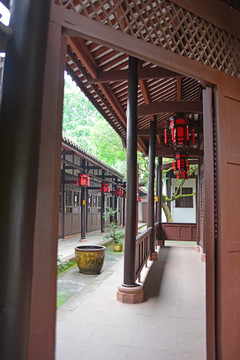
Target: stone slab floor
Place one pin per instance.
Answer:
(168, 325)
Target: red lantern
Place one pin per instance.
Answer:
(139, 199)
(118, 192)
(179, 127)
(181, 165)
(83, 180)
(105, 188)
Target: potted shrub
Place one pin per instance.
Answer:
(116, 235)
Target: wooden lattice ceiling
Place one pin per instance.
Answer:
(101, 72)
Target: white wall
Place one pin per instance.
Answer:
(184, 215)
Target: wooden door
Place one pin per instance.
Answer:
(227, 105)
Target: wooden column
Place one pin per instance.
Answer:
(123, 209)
(20, 129)
(151, 171)
(129, 291)
(83, 207)
(43, 305)
(63, 199)
(102, 206)
(83, 212)
(87, 204)
(159, 204)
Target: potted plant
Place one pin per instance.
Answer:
(116, 235)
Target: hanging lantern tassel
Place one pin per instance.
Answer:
(78, 181)
(173, 134)
(187, 133)
(193, 136)
(187, 165)
(165, 136)
(174, 166)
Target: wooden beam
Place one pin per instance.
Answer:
(170, 106)
(144, 74)
(169, 152)
(68, 152)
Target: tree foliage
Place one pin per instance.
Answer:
(85, 126)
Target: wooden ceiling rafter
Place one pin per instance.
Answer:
(119, 124)
(81, 50)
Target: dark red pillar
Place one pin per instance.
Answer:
(151, 174)
(20, 131)
(136, 293)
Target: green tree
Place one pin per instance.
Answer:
(79, 115)
(107, 145)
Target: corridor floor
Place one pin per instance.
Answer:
(168, 325)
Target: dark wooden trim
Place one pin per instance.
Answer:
(209, 222)
(130, 232)
(144, 74)
(214, 11)
(170, 106)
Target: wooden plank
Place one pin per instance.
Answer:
(170, 106)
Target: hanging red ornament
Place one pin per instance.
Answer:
(105, 188)
(165, 136)
(83, 180)
(179, 126)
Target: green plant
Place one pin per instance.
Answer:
(116, 235)
(63, 266)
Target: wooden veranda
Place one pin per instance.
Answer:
(150, 59)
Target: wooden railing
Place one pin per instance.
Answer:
(143, 250)
(178, 231)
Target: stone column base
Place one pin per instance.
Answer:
(203, 257)
(197, 248)
(161, 242)
(130, 295)
(153, 256)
